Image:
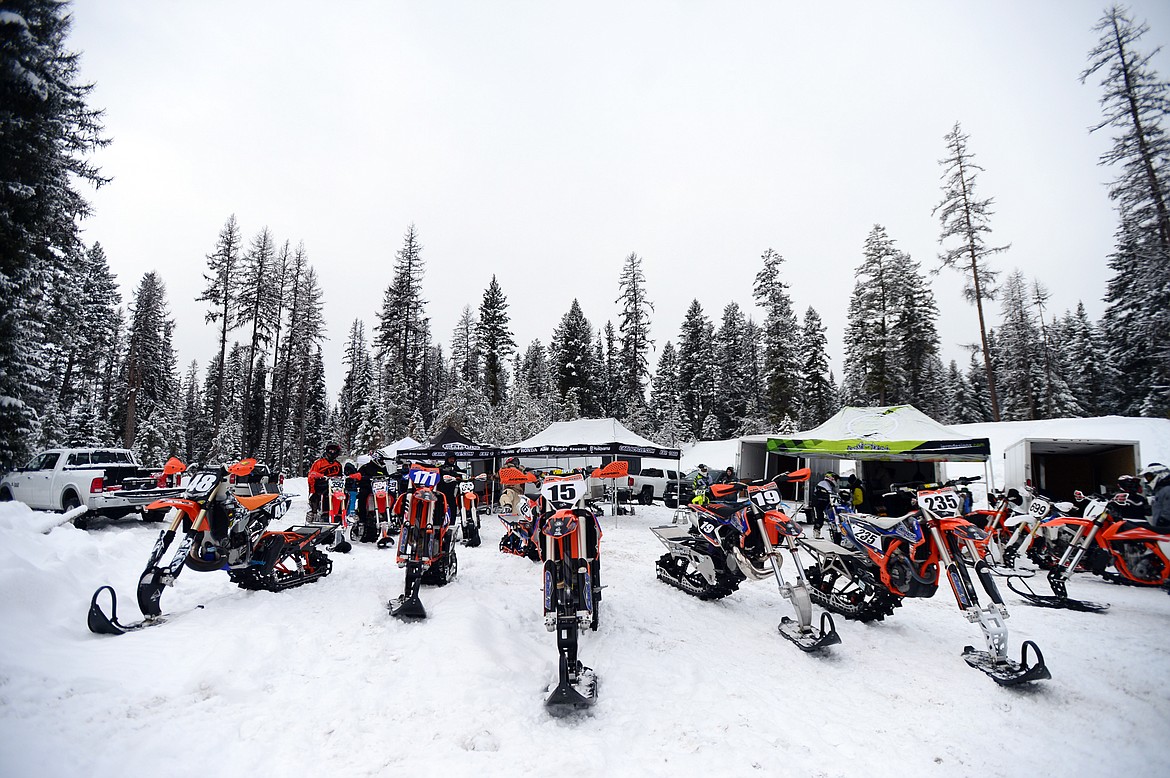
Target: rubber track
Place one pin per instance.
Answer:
(874, 605)
(695, 584)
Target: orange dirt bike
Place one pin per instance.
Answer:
(519, 538)
(220, 530)
(909, 556)
(730, 540)
(1101, 538)
(569, 538)
(466, 511)
(426, 547)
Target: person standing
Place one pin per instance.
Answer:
(319, 474)
(822, 498)
(449, 486)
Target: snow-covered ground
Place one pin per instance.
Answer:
(321, 680)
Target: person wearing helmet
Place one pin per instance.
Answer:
(1156, 478)
(448, 485)
(370, 466)
(319, 474)
(822, 498)
(1135, 507)
(700, 485)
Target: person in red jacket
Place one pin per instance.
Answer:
(319, 474)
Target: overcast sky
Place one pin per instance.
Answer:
(545, 141)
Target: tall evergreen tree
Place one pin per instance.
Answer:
(634, 326)
(495, 342)
(148, 408)
(256, 304)
(780, 358)
(403, 336)
(1019, 360)
(874, 374)
(465, 356)
(967, 218)
(696, 371)
(47, 131)
(222, 265)
(666, 400)
(733, 390)
(1082, 352)
(1135, 103)
(574, 364)
(818, 395)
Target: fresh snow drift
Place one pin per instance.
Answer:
(275, 683)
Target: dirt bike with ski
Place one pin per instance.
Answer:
(727, 542)
(1102, 538)
(426, 544)
(906, 557)
(569, 536)
(519, 537)
(466, 509)
(218, 529)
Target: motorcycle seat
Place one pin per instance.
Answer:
(884, 522)
(725, 509)
(1129, 524)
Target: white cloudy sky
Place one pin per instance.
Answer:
(545, 141)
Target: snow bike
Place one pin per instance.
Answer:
(426, 545)
(377, 512)
(898, 557)
(729, 542)
(467, 511)
(570, 538)
(1101, 538)
(390, 522)
(519, 538)
(220, 530)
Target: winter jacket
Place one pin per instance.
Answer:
(1160, 516)
(823, 492)
(323, 468)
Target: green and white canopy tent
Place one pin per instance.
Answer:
(894, 433)
(881, 439)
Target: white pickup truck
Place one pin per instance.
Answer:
(650, 484)
(108, 481)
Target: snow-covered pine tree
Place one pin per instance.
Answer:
(696, 370)
(1019, 359)
(755, 421)
(818, 400)
(966, 218)
(222, 265)
(193, 425)
(403, 336)
(464, 350)
(535, 373)
(255, 409)
(257, 307)
(874, 374)
(574, 364)
(1082, 352)
(495, 342)
(46, 132)
(666, 400)
(732, 372)
(1135, 103)
(780, 359)
(634, 326)
(356, 387)
(1056, 397)
(147, 409)
(611, 383)
(916, 335)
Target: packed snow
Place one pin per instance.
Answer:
(321, 679)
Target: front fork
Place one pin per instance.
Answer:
(992, 618)
(796, 594)
(154, 578)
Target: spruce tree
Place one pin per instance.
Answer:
(875, 375)
(696, 371)
(256, 304)
(732, 390)
(403, 336)
(818, 397)
(966, 219)
(1135, 103)
(671, 428)
(634, 326)
(780, 359)
(222, 265)
(574, 364)
(494, 340)
(47, 131)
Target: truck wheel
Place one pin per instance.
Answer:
(646, 496)
(68, 503)
(154, 516)
(5, 495)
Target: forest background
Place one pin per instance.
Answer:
(718, 330)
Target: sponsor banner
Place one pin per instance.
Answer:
(974, 450)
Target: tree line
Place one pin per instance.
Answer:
(81, 369)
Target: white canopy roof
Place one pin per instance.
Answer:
(588, 437)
